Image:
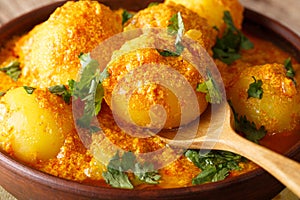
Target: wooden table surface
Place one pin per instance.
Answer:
(285, 11)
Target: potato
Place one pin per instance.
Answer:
(159, 16)
(33, 125)
(49, 52)
(213, 10)
(146, 88)
(278, 110)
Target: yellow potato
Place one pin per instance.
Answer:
(278, 110)
(213, 10)
(137, 95)
(49, 53)
(159, 16)
(33, 125)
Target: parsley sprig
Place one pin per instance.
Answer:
(13, 70)
(152, 4)
(213, 94)
(233, 40)
(29, 90)
(88, 89)
(290, 72)
(126, 16)
(63, 91)
(255, 89)
(118, 167)
(175, 28)
(215, 165)
(249, 129)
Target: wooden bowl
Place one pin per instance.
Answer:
(26, 183)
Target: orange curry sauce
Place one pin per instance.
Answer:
(75, 162)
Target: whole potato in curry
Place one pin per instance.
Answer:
(159, 16)
(278, 109)
(49, 53)
(130, 64)
(213, 10)
(33, 126)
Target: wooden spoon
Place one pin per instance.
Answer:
(284, 169)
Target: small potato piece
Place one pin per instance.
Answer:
(213, 10)
(278, 110)
(33, 126)
(138, 67)
(159, 16)
(49, 52)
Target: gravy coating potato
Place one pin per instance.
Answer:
(159, 16)
(278, 109)
(213, 11)
(140, 69)
(6, 82)
(33, 126)
(49, 53)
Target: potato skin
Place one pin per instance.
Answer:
(33, 126)
(148, 94)
(49, 53)
(159, 16)
(213, 10)
(278, 110)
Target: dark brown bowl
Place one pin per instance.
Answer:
(26, 183)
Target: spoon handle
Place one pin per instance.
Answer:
(287, 171)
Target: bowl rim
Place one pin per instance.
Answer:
(83, 189)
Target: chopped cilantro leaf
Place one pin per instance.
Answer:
(233, 40)
(290, 72)
(117, 178)
(28, 89)
(13, 70)
(152, 4)
(168, 53)
(115, 174)
(175, 28)
(63, 91)
(89, 90)
(213, 95)
(215, 165)
(243, 125)
(118, 167)
(2, 93)
(205, 176)
(126, 16)
(255, 90)
(146, 173)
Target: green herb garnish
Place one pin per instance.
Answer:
(243, 125)
(152, 4)
(126, 16)
(255, 90)
(213, 94)
(115, 174)
(290, 72)
(175, 28)
(2, 93)
(117, 169)
(89, 89)
(63, 91)
(13, 70)
(215, 165)
(233, 40)
(28, 89)
(289, 68)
